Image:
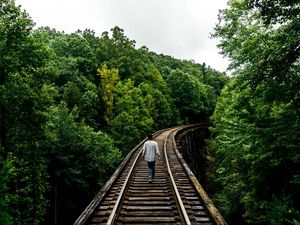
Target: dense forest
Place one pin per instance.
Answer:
(256, 121)
(73, 105)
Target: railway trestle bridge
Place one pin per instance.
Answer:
(174, 197)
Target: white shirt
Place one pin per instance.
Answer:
(150, 149)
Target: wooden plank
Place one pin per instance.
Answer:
(217, 217)
(151, 202)
(141, 198)
(147, 219)
(152, 208)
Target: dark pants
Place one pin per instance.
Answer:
(151, 169)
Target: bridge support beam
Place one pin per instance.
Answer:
(191, 144)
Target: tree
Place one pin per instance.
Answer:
(256, 157)
(161, 107)
(22, 63)
(189, 95)
(79, 160)
(15, 45)
(83, 94)
(109, 79)
(6, 174)
(78, 48)
(263, 45)
(132, 121)
(257, 117)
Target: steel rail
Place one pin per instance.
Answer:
(113, 215)
(117, 203)
(182, 208)
(98, 198)
(116, 206)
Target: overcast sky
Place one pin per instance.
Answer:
(179, 28)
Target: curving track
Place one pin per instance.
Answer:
(174, 197)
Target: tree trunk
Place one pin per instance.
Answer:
(2, 119)
(55, 202)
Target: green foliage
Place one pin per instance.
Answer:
(260, 50)
(132, 121)
(209, 81)
(31, 182)
(70, 142)
(56, 112)
(258, 142)
(109, 79)
(257, 116)
(76, 154)
(21, 68)
(83, 94)
(7, 172)
(161, 108)
(189, 94)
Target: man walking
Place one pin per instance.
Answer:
(150, 153)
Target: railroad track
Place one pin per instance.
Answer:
(173, 197)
